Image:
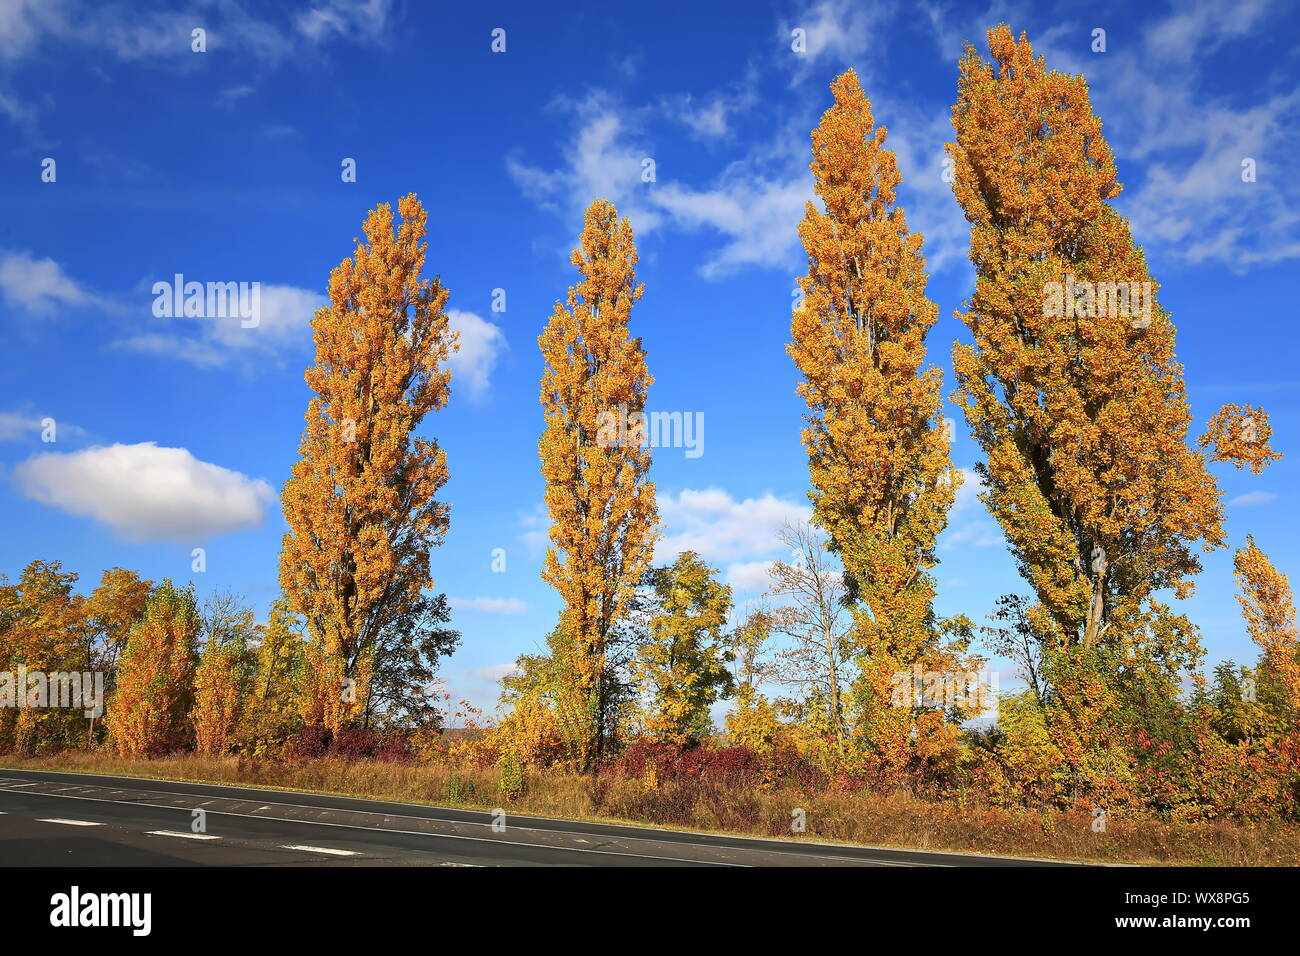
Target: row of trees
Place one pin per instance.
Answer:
(1081, 414)
(180, 676)
(1083, 419)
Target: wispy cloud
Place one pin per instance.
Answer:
(489, 605)
(39, 286)
(1252, 498)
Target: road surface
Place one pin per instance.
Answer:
(66, 819)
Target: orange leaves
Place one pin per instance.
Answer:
(878, 459)
(1240, 434)
(1269, 610)
(155, 676)
(1072, 386)
(360, 502)
(217, 698)
(603, 514)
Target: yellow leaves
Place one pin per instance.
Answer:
(217, 687)
(878, 459)
(1269, 610)
(1240, 434)
(882, 478)
(155, 675)
(1072, 386)
(681, 665)
(360, 502)
(602, 508)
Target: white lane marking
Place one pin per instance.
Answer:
(71, 823)
(422, 833)
(765, 843)
(183, 836)
(319, 849)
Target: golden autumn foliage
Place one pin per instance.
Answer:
(112, 610)
(682, 665)
(1080, 409)
(1269, 610)
(529, 735)
(272, 712)
(222, 679)
(752, 722)
(1239, 434)
(602, 508)
(217, 684)
(42, 628)
(360, 502)
(878, 457)
(155, 675)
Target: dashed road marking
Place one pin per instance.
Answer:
(71, 823)
(182, 835)
(320, 849)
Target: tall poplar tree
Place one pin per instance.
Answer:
(882, 478)
(1269, 610)
(1071, 386)
(360, 502)
(602, 508)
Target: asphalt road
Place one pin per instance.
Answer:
(65, 819)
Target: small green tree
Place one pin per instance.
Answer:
(682, 665)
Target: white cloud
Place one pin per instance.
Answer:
(758, 217)
(538, 523)
(494, 672)
(708, 117)
(38, 285)
(969, 524)
(147, 493)
(1202, 26)
(130, 33)
(842, 31)
(16, 426)
(719, 528)
(1252, 498)
(15, 109)
(752, 576)
(22, 22)
(283, 327)
(602, 160)
(194, 351)
(344, 18)
(489, 605)
(755, 209)
(228, 97)
(481, 344)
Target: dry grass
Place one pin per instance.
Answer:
(875, 819)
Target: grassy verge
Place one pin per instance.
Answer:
(874, 819)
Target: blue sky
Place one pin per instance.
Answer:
(225, 166)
